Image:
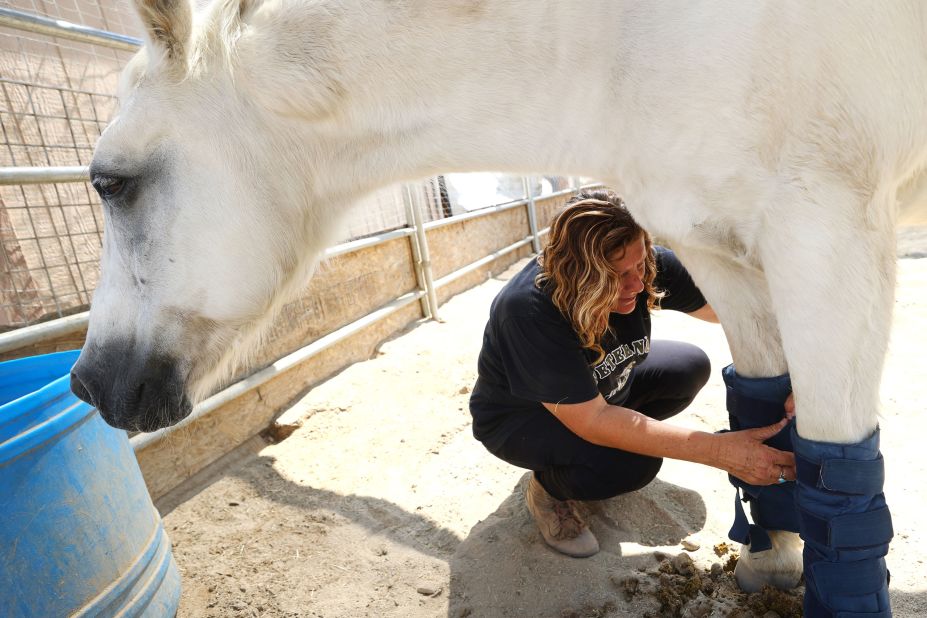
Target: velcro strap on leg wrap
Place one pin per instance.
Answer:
(742, 531)
(851, 531)
(814, 609)
(834, 579)
(846, 476)
(847, 589)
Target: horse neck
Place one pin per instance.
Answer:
(497, 85)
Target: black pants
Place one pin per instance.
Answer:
(570, 468)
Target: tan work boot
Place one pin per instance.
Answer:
(559, 523)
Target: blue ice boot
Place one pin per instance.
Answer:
(846, 526)
(752, 403)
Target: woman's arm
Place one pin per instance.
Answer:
(706, 313)
(740, 453)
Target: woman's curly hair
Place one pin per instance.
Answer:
(575, 266)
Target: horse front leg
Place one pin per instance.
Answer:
(830, 266)
(758, 386)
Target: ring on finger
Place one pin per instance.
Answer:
(781, 478)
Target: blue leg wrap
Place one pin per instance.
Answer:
(846, 527)
(751, 403)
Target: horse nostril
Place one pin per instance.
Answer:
(139, 393)
(80, 390)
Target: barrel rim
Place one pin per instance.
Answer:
(18, 365)
(46, 431)
(32, 409)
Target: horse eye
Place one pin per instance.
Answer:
(108, 186)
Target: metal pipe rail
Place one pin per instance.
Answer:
(37, 24)
(369, 241)
(44, 331)
(43, 175)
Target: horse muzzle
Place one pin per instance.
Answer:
(131, 393)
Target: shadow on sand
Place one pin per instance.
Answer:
(503, 567)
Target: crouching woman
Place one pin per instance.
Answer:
(571, 386)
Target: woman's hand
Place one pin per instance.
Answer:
(743, 454)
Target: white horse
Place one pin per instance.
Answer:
(766, 140)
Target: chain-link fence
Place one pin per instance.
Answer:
(56, 96)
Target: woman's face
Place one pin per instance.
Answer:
(628, 264)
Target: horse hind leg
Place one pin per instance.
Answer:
(771, 549)
(829, 262)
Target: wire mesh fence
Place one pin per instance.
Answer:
(56, 97)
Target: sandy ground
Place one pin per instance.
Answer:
(382, 504)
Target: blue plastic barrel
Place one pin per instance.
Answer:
(79, 535)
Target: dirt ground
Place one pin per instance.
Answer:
(382, 504)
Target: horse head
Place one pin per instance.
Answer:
(206, 224)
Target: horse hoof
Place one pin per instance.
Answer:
(750, 579)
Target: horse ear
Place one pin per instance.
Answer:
(169, 24)
(245, 7)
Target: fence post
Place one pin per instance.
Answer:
(527, 181)
(420, 251)
(416, 252)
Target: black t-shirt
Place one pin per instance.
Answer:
(531, 354)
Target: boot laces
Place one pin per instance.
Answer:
(570, 525)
